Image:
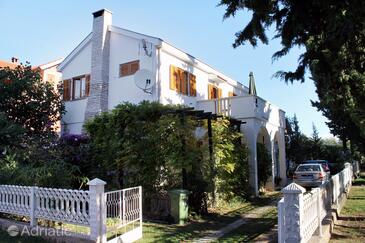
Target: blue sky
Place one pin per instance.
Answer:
(40, 31)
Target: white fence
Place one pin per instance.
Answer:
(300, 214)
(124, 214)
(89, 208)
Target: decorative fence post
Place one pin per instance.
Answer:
(281, 221)
(97, 210)
(33, 205)
(293, 213)
(319, 211)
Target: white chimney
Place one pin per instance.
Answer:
(99, 82)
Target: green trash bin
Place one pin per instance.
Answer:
(179, 205)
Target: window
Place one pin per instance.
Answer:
(66, 90)
(76, 88)
(214, 92)
(79, 87)
(182, 81)
(231, 94)
(50, 78)
(128, 68)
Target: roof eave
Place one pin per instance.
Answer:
(75, 51)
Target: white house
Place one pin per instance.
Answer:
(101, 71)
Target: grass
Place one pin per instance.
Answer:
(218, 218)
(253, 228)
(195, 228)
(348, 231)
(355, 204)
(352, 229)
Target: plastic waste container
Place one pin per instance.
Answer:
(179, 205)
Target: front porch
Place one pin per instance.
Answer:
(263, 123)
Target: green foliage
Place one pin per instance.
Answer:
(332, 33)
(30, 152)
(10, 133)
(263, 164)
(300, 148)
(156, 146)
(37, 162)
(139, 145)
(316, 145)
(297, 145)
(28, 101)
(231, 160)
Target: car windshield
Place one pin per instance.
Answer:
(316, 162)
(304, 168)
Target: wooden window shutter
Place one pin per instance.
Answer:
(123, 70)
(219, 93)
(192, 83)
(184, 81)
(134, 67)
(231, 94)
(210, 91)
(87, 85)
(66, 89)
(173, 77)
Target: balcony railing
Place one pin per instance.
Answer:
(243, 107)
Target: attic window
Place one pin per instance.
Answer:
(128, 68)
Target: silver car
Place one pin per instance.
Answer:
(310, 175)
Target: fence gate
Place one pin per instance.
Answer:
(124, 214)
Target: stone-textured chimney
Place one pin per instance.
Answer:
(14, 60)
(98, 100)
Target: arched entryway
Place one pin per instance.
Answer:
(264, 159)
(276, 160)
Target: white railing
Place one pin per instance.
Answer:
(242, 107)
(61, 205)
(94, 209)
(15, 200)
(300, 213)
(124, 214)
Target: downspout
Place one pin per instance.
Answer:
(158, 47)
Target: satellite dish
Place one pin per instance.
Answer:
(145, 80)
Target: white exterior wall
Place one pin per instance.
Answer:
(122, 89)
(169, 96)
(75, 109)
(80, 64)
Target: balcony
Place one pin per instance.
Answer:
(244, 107)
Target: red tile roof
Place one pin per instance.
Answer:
(8, 64)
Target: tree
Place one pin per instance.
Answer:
(332, 33)
(10, 133)
(28, 101)
(315, 144)
(296, 143)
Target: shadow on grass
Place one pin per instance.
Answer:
(216, 220)
(193, 229)
(252, 229)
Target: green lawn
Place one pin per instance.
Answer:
(351, 229)
(254, 228)
(218, 218)
(355, 204)
(348, 231)
(196, 228)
